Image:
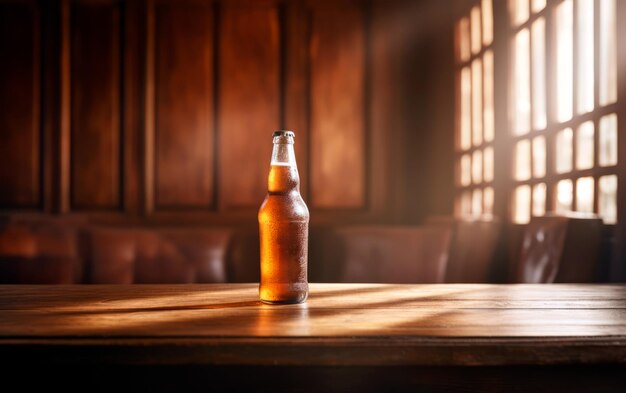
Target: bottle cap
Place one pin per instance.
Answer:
(284, 133)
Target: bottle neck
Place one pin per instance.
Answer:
(283, 154)
(283, 176)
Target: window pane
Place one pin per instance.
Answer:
(477, 202)
(477, 102)
(465, 126)
(465, 204)
(475, 29)
(488, 164)
(584, 77)
(538, 5)
(466, 170)
(538, 32)
(564, 58)
(463, 39)
(539, 199)
(564, 196)
(521, 83)
(584, 194)
(584, 146)
(522, 160)
(608, 140)
(488, 84)
(521, 205)
(519, 11)
(477, 167)
(607, 198)
(488, 200)
(487, 22)
(608, 53)
(564, 151)
(539, 156)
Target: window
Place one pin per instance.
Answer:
(562, 134)
(564, 150)
(475, 105)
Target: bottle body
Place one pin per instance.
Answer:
(284, 231)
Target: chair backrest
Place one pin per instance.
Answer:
(39, 253)
(560, 249)
(472, 248)
(157, 255)
(394, 254)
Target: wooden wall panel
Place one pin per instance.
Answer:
(20, 153)
(184, 114)
(338, 94)
(95, 106)
(249, 94)
(168, 107)
(295, 87)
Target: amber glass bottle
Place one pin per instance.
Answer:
(283, 229)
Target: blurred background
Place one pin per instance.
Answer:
(437, 141)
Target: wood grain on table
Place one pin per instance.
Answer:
(340, 324)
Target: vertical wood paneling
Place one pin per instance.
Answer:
(249, 94)
(262, 65)
(20, 153)
(148, 115)
(295, 88)
(133, 27)
(184, 132)
(50, 114)
(65, 110)
(385, 36)
(95, 112)
(338, 150)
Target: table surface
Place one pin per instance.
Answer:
(340, 324)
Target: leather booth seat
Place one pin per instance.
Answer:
(393, 253)
(157, 255)
(66, 252)
(39, 252)
(552, 249)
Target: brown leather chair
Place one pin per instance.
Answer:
(561, 249)
(472, 249)
(157, 255)
(393, 254)
(39, 252)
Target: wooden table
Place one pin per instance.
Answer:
(346, 337)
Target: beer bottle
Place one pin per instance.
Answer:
(283, 228)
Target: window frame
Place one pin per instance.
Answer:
(553, 126)
(469, 190)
